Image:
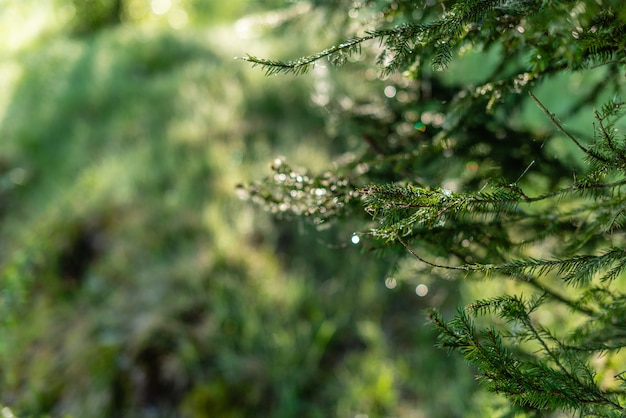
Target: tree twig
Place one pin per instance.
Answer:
(563, 130)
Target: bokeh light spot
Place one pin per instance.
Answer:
(178, 19)
(17, 176)
(390, 91)
(421, 290)
(391, 283)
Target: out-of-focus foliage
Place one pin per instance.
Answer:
(91, 15)
(134, 282)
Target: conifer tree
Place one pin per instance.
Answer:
(451, 175)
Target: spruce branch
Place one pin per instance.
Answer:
(403, 43)
(303, 65)
(581, 185)
(576, 270)
(565, 381)
(491, 232)
(399, 207)
(611, 109)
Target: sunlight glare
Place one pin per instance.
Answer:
(160, 7)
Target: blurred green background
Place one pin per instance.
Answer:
(135, 282)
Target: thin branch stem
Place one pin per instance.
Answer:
(563, 130)
(558, 297)
(414, 254)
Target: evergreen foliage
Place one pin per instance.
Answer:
(487, 191)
